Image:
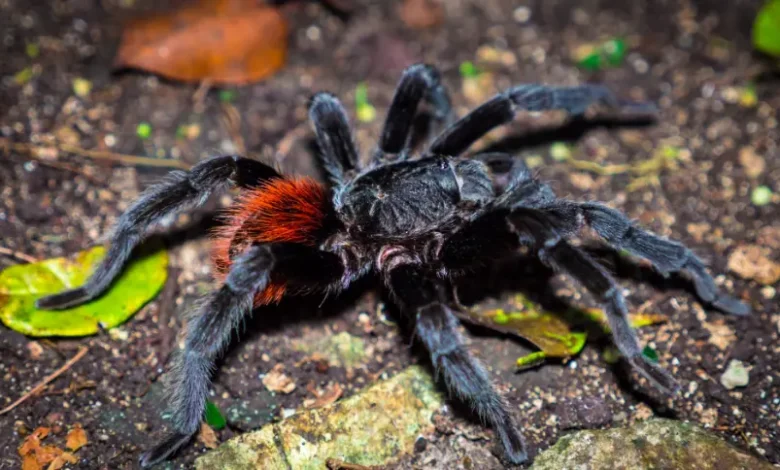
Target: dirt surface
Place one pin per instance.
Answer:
(687, 56)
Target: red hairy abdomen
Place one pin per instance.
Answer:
(280, 210)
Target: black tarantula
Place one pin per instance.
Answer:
(418, 222)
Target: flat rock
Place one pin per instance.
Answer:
(652, 444)
(374, 427)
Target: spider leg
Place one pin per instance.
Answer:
(666, 255)
(437, 329)
(182, 189)
(210, 330)
(418, 82)
(331, 127)
(502, 109)
(555, 251)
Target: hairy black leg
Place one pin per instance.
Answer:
(331, 126)
(502, 109)
(418, 82)
(666, 255)
(555, 251)
(437, 328)
(180, 190)
(208, 333)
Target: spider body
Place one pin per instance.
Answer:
(417, 222)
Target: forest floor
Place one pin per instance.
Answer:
(690, 58)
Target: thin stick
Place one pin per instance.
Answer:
(17, 255)
(35, 150)
(81, 352)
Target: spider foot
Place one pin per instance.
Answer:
(63, 300)
(512, 442)
(164, 450)
(657, 375)
(730, 305)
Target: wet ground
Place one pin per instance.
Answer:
(687, 56)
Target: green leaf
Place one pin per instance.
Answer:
(214, 417)
(21, 285)
(766, 29)
(549, 332)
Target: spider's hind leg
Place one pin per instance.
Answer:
(667, 256)
(555, 251)
(181, 189)
(437, 329)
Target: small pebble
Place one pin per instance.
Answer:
(736, 375)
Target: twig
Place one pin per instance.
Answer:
(82, 351)
(34, 151)
(17, 255)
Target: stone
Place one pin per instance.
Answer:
(374, 427)
(652, 444)
(735, 375)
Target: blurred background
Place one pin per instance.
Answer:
(100, 98)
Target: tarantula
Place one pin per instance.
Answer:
(418, 222)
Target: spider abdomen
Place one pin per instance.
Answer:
(280, 210)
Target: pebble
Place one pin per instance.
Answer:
(736, 375)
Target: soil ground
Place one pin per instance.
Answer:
(688, 56)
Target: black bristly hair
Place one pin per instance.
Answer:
(417, 221)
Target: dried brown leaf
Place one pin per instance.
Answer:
(207, 436)
(332, 393)
(223, 41)
(76, 439)
(277, 381)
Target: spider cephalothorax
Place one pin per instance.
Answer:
(418, 222)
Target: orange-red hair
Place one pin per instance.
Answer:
(279, 210)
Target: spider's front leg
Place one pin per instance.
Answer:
(419, 82)
(437, 329)
(210, 330)
(182, 189)
(502, 108)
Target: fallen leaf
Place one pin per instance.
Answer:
(421, 14)
(550, 332)
(77, 438)
(33, 442)
(207, 436)
(332, 393)
(224, 41)
(752, 262)
(22, 285)
(276, 381)
(61, 460)
(766, 29)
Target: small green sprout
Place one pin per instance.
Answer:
(227, 96)
(650, 353)
(766, 29)
(761, 196)
(144, 130)
(32, 49)
(214, 417)
(365, 111)
(469, 70)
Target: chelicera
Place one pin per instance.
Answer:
(417, 221)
